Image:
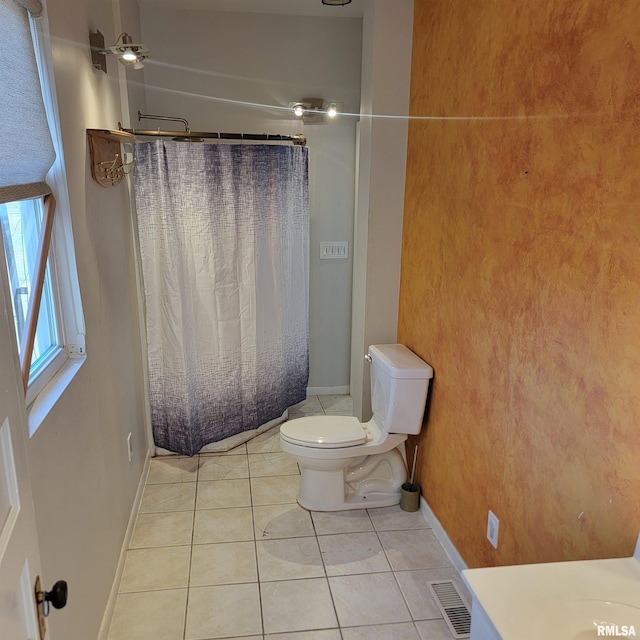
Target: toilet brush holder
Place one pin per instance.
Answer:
(410, 496)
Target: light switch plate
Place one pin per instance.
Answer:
(334, 250)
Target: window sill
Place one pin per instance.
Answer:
(46, 399)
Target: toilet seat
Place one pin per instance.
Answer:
(324, 432)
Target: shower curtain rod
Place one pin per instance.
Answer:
(198, 136)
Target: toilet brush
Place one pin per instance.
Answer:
(413, 467)
(409, 492)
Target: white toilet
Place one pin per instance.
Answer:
(345, 464)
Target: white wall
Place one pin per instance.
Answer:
(386, 78)
(83, 484)
(235, 72)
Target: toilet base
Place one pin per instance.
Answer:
(368, 482)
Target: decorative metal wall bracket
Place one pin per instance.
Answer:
(108, 166)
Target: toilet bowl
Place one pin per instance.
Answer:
(345, 464)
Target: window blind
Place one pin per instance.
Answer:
(26, 149)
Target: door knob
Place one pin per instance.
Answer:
(58, 594)
(57, 597)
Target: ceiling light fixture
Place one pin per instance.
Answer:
(314, 110)
(336, 3)
(129, 53)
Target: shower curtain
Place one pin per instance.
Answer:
(224, 247)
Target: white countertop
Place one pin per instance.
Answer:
(524, 601)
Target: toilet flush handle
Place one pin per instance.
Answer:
(368, 358)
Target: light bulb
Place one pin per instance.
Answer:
(332, 110)
(298, 109)
(129, 56)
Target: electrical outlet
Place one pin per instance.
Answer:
(493, 525)
(129, 447)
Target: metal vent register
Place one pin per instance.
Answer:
(453, 608)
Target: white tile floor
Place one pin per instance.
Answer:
(221, 549)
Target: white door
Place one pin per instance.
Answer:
(19, 558)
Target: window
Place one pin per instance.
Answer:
(21, 230)
(21, 224)
(35, 223)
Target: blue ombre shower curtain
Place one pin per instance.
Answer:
(224, 247)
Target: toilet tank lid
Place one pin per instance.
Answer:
(399, 361)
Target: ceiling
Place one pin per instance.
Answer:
(292, 7)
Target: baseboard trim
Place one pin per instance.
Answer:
(115, 587)
(450, 549)
(329, 391)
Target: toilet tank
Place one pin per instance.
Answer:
(399, 387)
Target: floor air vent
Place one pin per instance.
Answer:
(454, 609)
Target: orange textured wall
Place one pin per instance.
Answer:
(521, 273)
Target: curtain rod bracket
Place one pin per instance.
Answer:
(108, 167)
